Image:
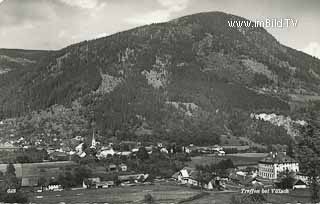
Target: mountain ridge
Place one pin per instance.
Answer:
(183, 80)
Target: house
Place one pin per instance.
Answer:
(91, 182)
(124, 153)
(133, 178)
(29, 181)
(220, 153)
(94, 180)
(123, 167)
(105, 152)
(242, 178)
(112, 168)
(188, 150)
(270, 166)
(187, 175)
(175, 176)
(217, 148)
(134, 150)
(54, 187)
(78, 138)
(79, 148)
(59, 156)
(299, 184)
(12, 190)
(104, 184)
(209, 185)
(164, 150)
(303, 177)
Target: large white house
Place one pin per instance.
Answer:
(275, 163)
(188, 176)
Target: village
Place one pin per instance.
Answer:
(131, 163)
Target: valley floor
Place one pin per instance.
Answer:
(163, 193)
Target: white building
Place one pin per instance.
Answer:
(271, 166)
(105, 152)
(187, 175)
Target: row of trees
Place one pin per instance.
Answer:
(308, 153)
(206, 173)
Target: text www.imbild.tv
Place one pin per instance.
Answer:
(266, 23)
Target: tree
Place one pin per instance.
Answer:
(203, 176)
(248, 199)
(148, 198)
(142, 154)
(42, 181)
(287, 180)
(81, 173)
(11, 170)
(308, 153)
(11, 179)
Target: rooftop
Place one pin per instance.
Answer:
(277, 158)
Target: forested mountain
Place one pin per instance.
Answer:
(189, 80)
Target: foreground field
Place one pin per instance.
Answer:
(165, 194)
(162, 193)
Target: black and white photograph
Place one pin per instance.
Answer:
(160, 101)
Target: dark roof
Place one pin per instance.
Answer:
(175, 175)
(58, 154)
(277, 158)
(299, 182)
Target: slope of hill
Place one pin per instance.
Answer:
(185, 80)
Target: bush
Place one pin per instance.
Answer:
(148, 198)
(14, 198)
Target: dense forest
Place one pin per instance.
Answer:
(189, 80)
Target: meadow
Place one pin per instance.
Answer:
(162, 193)
(239, 159)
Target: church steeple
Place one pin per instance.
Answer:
(93, 142)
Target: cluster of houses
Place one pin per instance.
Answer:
(190, 176)
(133, 148)
(216, 149)
(267, 174)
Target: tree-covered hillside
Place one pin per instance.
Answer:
(181, 81)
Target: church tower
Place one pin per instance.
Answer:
(93, 142)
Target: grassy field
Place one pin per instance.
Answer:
(293, 197)
(237, 159)
(165, 194)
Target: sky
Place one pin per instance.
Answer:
(54, 24)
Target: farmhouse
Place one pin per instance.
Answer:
(54, 186)
(105, 184)
(187, 175)
(272, 165)
(105, 152)
(123, 167)
(133, 178)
